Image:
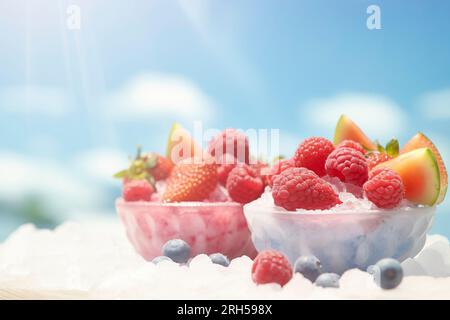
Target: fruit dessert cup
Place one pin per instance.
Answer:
(341, 238)
(208, 227)
(352, 202)
(191, 195)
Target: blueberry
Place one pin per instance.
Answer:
(177, 250)
(308, 266)
(160, 258)
(219, 258)
(388, 273)
(328, 280)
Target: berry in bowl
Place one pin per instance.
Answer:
(192, 197)
(349, 204)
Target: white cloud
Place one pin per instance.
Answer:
(101, 164)
(377, 115)
(436, 105)
(62, 190)
(157, 94)
(40, 100)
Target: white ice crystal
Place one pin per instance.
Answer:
(351, 196)
(96, 261)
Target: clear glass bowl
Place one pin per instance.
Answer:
(341, 240)
(208, 227)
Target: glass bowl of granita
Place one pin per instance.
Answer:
(211, 226)
(184, 195)
(350, 202)
(354, 234)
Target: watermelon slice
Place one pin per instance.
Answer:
(422, 141)
(419, 170)
(346, 129)
(180, 145)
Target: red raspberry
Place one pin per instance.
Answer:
(312, 154)
(225, 167)
(243, 184)
(348, 165)
(384, 188)
(261, 169)
(376, 158)
(271, 266)
(137, 190)
(352, 144)
(300, 188)
(278, 168)
(230, 141)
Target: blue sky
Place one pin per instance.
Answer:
(74, 103)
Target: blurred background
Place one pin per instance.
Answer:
(83, 82)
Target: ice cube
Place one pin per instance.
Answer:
(336, 183)
(412, 268)
(96, 258)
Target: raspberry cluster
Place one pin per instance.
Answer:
(304, 182)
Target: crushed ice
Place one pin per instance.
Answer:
(97, 260)
(351, 196)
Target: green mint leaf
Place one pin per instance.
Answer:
(140, 176)
(121, 174)
(380, 147)
(393, 147)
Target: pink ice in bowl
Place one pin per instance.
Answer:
(208, 227)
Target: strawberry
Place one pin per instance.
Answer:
(160, 167)
(190, 181)
(150, 166)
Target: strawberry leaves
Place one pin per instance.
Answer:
(121, 174)
(139, 168)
